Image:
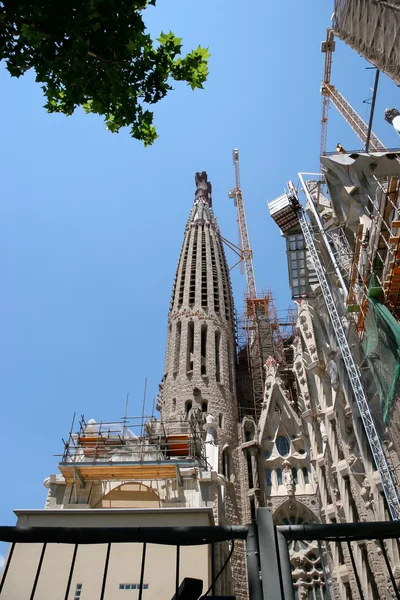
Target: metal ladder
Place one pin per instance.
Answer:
(388, 483)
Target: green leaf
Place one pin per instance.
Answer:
(98, 56)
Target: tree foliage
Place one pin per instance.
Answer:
(97, 54)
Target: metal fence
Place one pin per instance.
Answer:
(268, 561)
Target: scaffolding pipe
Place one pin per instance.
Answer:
(324, 236)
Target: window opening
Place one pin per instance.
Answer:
(279, 476)
(250, 471)
(252, 510)
(266, 454)
(356, 516)
(297, 267)
(192, 288)
(215, 276)
(188, 406)
(133, 586)
(203, 349)
(294, 475)
(248, 434)
(183, 272)
(190, 346)
(328, 494)
(282, 446)
(268, 477)
(226, 463)
(217, 358)
(204, 302)
(230, 366)
(173, 404)
(177, 351)
(305, 475)
(348, 591)
(338, 445)
(204, 406)
(78, 591)
(340, 553)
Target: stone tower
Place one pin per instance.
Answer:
(199, 374)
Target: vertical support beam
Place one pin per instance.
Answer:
(253, 564)
(7, 565)
(105, 572)
(270, 572)
(286, 572)
(371, 115)
(38, 571)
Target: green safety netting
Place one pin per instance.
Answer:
(381, 344)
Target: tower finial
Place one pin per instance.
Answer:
(203, 188)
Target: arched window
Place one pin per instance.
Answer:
(173, 404)
(250, 471)
(177, 349)
(220, 419)
(203, 346)
(204, 406)
(190, 346)
(249, 431)
(279, 476)
(268, 477)
(188, 406)
(226, 463)
(266, 454)
(305, 475)
(217, 359)
(282, 445)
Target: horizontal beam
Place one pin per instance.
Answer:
(349, 531)
(182, 536)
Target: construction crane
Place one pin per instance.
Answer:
(387, 479)
(331, 94)
(246, 251)
(254, 347)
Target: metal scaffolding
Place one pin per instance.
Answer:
(388, 483)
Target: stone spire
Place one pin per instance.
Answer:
(199, 368)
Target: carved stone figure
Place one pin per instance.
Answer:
(332, 370)
(288, 478)
(322, 429)
(211, 428)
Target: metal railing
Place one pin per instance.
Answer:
(268, 565)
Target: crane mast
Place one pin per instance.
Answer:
(251, 325)
(247, 253)
(331, 94)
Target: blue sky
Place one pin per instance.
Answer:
(91, 223)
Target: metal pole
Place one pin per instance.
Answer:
(373, 530)
(271, 583)
(172, 536)
(253, 564)
(38, 571)
(286, 572)
(7, 566)
(371, 114)
(321, 231)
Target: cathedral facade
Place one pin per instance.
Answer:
(208, 460)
